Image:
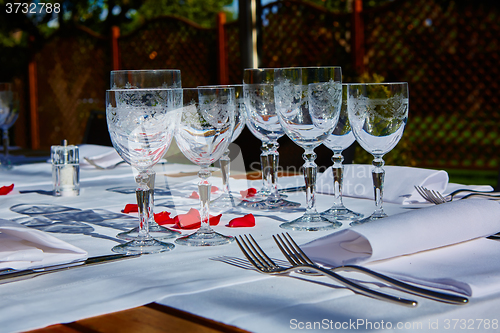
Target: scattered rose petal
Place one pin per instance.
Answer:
(243, 221)
(192, 220)
(130, 208)
(163, 218)
(6, 189)
(214, 189)
(248, 193)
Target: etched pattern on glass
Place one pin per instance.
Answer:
(140, 126)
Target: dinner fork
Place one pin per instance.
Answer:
(259, 259)
(297, 257)
(437, 198)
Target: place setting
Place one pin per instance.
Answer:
(313, 230)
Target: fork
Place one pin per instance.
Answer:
(296, 257)
(91, 162)
(437, 198)
(259, 259)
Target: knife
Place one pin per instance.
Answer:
(13, 275)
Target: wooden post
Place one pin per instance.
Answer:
(33, 91)
(115, 50)
(358, 37)
(222, 61)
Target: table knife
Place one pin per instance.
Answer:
(18, 275)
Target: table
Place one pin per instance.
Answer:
(191, 288)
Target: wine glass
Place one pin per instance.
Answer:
(146, 79)
(226, 199)
(378, 113)
(9, 111)
(141, 124)
(340, 139)
(203, 135)
(308, 101)
(258, 91)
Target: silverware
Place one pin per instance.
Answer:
(437, 198)
(296, 257)
(18, 275)
(264, 264)
(91, 162)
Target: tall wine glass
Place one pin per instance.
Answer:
(265, 147)
(147, 79)
(340, 139)
(203, 135)
(9, 111)
(226, 199)
(378, 113)
(308, 101)
(141, 125)
(258, 90)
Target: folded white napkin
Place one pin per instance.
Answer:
(433, 230)
(103, 156)
(399, 184)
(22, 247)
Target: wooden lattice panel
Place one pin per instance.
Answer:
(71, 81)
(449, 54)
(234, 53)
(172, 43)
(298, 34)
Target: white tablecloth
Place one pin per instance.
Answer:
(194, 279)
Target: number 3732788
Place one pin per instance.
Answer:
(32, 8)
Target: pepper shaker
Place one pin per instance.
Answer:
(65, 169)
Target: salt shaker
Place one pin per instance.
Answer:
(65, 169)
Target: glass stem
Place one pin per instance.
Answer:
(143, 195)
(5, 136)
(204, 187)
(265, 168)
(151, 185)
(338, 177)
(310, 173)
(378, 174)
(273, 160)
(225, 163)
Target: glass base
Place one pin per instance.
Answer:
(6, 164)
(146, 246)
(204, 238)
(341, 213)
(156, 231)
(225, 201)
(311, 222)
(373, 217)
(268, 204)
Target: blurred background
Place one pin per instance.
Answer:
(448, 51)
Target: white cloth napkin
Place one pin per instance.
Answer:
(433, 230)
(22, 247)
(103, 156)
(399, 184)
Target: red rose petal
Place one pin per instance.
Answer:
(192, 220)
(6, 189)
(194, 195)
(163, 218)
(248, 193)
(130, 208)
(214, 189)
(244, 221)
